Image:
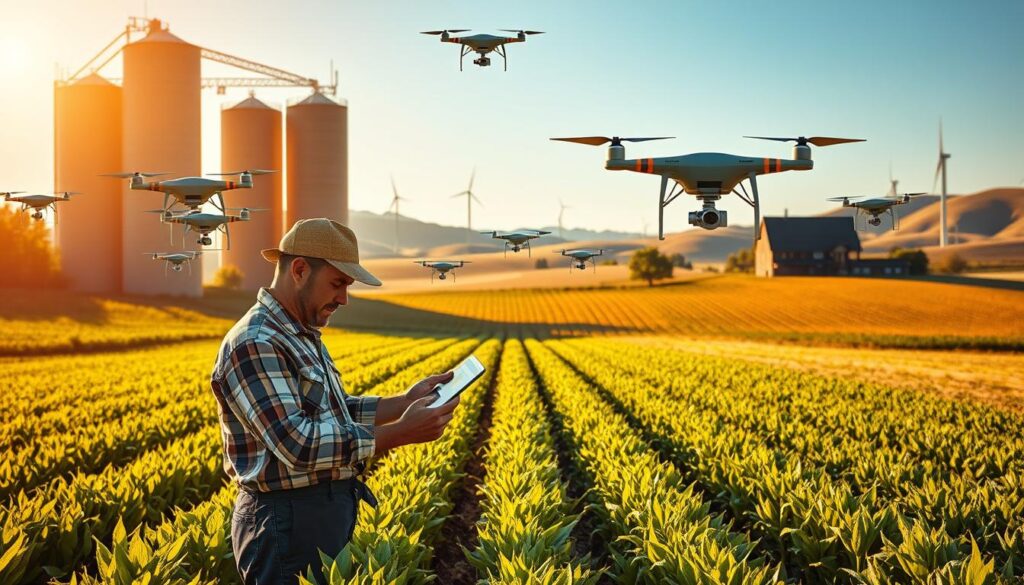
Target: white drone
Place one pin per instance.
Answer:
(39, 203)
(205, 223)
(174, 260)
(517, 240)
(581, 257)
(441, 267)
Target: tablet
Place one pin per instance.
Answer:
(466, 373)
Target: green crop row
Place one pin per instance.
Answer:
(660, 528)
(394, 542)
(821, 527)
(193, 546)
(527, 517)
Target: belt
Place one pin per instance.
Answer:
(328, 488)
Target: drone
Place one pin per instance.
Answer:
(482, 44)
(517, 240)
(205, 223)
(192, 192)
(876, 206)
(441, 267)
(708, 175)
(580, 258)
(39, 203)
(174, 260)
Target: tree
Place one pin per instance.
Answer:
(680, 261)
(740, 261)
(26, 259)
(649, 264)
(951, 264)
(917, 258)
(541, 263)
(229, 277)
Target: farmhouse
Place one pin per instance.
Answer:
(822, 246)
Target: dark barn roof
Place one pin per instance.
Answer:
(802, 234)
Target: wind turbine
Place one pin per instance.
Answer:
(470, 197)
(941, 168)
(560, 212)
(394, 205)
(893, 183)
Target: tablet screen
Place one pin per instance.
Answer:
(465, 374)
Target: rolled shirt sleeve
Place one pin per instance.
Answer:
(263, 394)
(362, 408)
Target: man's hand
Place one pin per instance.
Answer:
(425, 386)
(419, 424)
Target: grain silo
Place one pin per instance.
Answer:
(250, 133)
(87, 141)
(317, 146)
(161, 132)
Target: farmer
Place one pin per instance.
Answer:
(294, 441)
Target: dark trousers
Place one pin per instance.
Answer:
(277, 535)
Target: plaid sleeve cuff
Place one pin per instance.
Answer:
(362, 408)
(364, 443)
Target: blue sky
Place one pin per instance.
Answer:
(706, 72)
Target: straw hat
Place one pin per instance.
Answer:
(327, 239)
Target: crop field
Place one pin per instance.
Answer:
(661, 456)
(819, 311)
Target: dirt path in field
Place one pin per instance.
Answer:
(992, 378)
(449, 562)
(586, 539)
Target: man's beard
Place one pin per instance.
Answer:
(309, 311)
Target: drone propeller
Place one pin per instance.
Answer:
(130, 175)
(67, 192)
(845, 198)
(247, 209)
(906, 195)
(815, 140)
(448, 31)
(522, 32)
(252, 172)
(615, 140)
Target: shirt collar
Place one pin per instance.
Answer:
(282, 316)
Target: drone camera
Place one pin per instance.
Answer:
(482, 61)
(709, 219)
(176, 268)
(37, 215)
(442, 276)
(875, 221)
(205, 241)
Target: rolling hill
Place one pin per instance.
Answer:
(985, 226)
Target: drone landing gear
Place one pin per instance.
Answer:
(501, 50)
(751, 201)
(664, 201)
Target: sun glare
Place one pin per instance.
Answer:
(14, 57)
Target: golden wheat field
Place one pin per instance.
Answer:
(726, 430)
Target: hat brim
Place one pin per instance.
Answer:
(352, 269)
(356, 272)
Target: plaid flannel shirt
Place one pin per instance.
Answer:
(286, 421)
